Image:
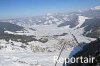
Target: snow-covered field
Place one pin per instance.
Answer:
(26, 58)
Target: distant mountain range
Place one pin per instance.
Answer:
(89, 19)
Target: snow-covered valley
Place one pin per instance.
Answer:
(37, 53)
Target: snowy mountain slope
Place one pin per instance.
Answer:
(91, 49)
(81, 20)
(10, 27)
(92, 27)
(74, 21)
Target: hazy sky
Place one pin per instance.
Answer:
(20, 8)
